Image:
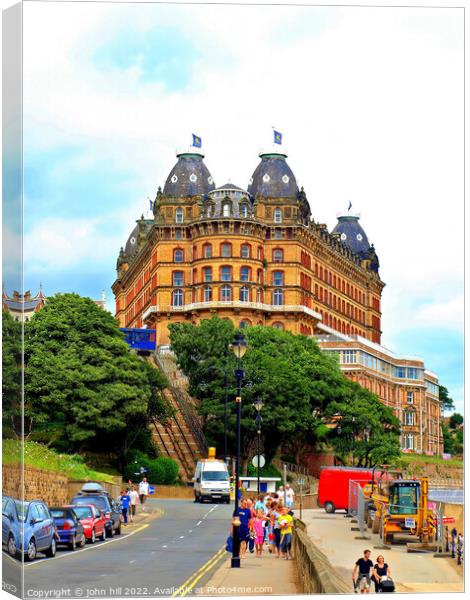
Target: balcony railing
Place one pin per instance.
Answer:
(159, 308)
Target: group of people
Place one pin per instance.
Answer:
(364, 572)
(130, 498)
(267, 521)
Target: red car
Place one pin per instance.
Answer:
(93, 521)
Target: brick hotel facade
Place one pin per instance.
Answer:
(254, 256)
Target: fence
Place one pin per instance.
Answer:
(357, 507)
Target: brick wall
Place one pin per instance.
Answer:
(38, 484)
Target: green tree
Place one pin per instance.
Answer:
(11, 375)
(84, 389)
(455, 421)
(448, 439)
(295, 380)
(366, 430)
(446, 400)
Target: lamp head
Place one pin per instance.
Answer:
(258, 404)
(239, 345)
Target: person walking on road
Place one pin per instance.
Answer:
(134, 496)
(125, 500)
(381, 569)
(286, 523)
(244, 514)
(143, 492)
(289, 496)
(258, 527)
(361, 573)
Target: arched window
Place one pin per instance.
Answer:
(225, 293)
(278, 297)
(225, 273)
(226, 250)
(177, 298)
(179, 215)
(259, 295)
(245, 274)
(278, 255)
(207, 274)
(207, 250)
(227, 209)
(278, 278)
(244, 294)
(209, 209)
(244, 324)
(245, 251)
(277, 215)
(178, 255)
(178, 279)
(278, 325)
(178, 234)
(244, 210)
(207, 297)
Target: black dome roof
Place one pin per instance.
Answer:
(352, 234)
(189, 177)
(132, 245)
(273, 177)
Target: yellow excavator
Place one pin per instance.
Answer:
(400, 506)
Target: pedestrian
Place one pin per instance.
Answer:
(244, 514)
(143, 492)
(260, 503)
(361, 572)
(258, 528)
(286, 523)
(289, 496)
(251, 534)
(125, 500)
(134, 496)
(381, 569)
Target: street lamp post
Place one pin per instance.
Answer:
(239, 348)
(258, 406)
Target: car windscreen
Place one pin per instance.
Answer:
(83, 512)
(58, 513)
(214, 475)
(99, 501)
(21, 509)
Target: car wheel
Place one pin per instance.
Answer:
(73, 544)
(82, 541)
(103, 534)
(11, 546)
(51, 551)
(118, 530)
(31, 551)
(329, 507)
(93, 537)
(227, 501)
(110, 532)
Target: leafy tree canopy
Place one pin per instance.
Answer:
(11, 374)
(455, 420)
(83, 387)
(447, 402)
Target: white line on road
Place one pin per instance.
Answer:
(165, 546)
(197, 525)
(131, 561)
(181, 537)
(190, 531)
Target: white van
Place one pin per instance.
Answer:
(211, 480)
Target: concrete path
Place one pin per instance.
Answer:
(412, 572)
(257, 576)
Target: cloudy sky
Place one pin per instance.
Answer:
(370, 102)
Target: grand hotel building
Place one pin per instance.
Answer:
(256, 256)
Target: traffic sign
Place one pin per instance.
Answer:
(262, 461)
(301, 481)
(151, 489)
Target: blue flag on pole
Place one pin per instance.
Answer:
(151, 204)
(350, 206)
(277, 137)
(197, 141)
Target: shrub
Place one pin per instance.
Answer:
(161, 470)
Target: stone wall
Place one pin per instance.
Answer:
(39, 484)
(174, 491)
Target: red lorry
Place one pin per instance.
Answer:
(333, 486)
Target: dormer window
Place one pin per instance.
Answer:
(179, 215)
(277, 215)
(244, 210)
(209, 209)
(227, 208)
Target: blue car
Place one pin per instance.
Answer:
(34, 521)
(69, 528)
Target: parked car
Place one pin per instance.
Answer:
(94, 493)
(92, 520)
(39, 531)
(69, 528)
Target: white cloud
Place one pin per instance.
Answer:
(370, 106)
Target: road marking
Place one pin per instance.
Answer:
(93, 547)
(165, 546)
(131, 562)
(197, 525)
(190, 531)
(189, 583)
(181, 537)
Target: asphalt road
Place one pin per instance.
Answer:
(155, 560)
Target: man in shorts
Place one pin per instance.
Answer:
(143, 492)
(361, 573)
(134, 496)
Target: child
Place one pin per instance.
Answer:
(286, 523)
(258, 526)
(125, 500)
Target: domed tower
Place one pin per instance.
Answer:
(275, 191)
(353, 236)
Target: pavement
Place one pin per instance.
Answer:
(411, 572)
(153, 557)
(256, 576)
